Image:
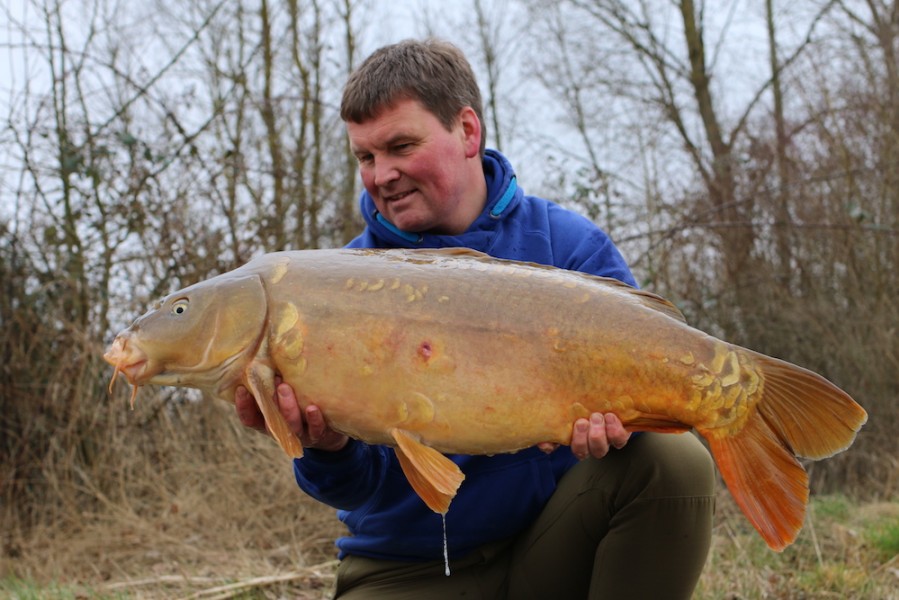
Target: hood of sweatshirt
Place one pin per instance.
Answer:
(503, 196)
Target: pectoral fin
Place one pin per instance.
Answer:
(260, 380)
(433, 476)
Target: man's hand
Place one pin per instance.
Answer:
(309, 426)
(594, 437)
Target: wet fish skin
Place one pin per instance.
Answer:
(452, 351)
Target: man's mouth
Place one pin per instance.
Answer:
(398, 196)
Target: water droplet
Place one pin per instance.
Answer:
(445, 548)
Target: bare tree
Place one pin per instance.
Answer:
(488, 41)
(626, 57)
(148, 151)
(347, 215)
(782, 229)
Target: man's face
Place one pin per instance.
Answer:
(418, 172)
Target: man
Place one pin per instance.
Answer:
(611, 516)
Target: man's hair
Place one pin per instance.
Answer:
(432, 71)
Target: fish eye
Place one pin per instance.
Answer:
(180, 306)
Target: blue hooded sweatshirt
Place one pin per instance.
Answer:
(502, 494)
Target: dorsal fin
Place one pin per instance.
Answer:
(455, 251)
(648, 299)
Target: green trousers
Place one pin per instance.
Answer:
(635, 524)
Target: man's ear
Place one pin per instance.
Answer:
(471, 131)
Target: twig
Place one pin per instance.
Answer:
(155, 580)
(223, 592)
(810, 521)
(885, 565)
(228, 591)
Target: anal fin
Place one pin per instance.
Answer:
(658, 423)
(433, 476)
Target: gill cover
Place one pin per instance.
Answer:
(196, 335)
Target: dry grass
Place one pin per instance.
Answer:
(175, 554)
(837, 555)
(183, 502)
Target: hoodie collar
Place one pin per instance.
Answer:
(503, 195)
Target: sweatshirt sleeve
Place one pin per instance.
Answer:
(579, 245)
(345, 479)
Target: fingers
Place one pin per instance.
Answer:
(319, 434)
(247, 410)
(594, 437)
(251, 416)
(615, 431)
(309, 424)
(289, 407)
(315, 426)
(547, 447)
(579, 438)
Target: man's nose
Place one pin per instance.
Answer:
(385, 172)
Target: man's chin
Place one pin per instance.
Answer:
(407, 223)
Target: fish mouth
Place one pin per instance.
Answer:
(129, 360)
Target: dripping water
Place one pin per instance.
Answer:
(445, 548)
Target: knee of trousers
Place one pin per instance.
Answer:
(669, 465)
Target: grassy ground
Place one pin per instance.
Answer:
(846, 550)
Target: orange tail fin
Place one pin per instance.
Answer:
(800, 414)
